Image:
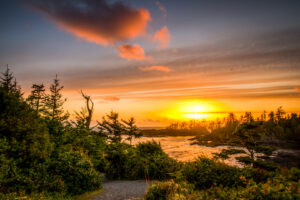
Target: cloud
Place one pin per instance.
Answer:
(96, 21)
(112, 98)
(156, 68)
(162, 9)
(130, 52)
(162, 36)
(297, 89)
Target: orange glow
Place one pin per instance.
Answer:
(192, 109)
(157, 68)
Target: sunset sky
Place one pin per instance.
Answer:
(158, 61)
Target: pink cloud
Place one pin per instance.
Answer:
(130, 52)
(99, 22)
(162, 36)
(156, 68)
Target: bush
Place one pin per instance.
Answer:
(161, 191)
(276, 188)
(205, 173)
(146, 160)
(76, 172)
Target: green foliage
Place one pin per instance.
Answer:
(36, 96)
(280, 186)
(205, 173)
(131, 129)
(53, 102)
(40, 157)
(162, 191)
(76, 171)
(112, 127)
(147, 160)
(8, 83)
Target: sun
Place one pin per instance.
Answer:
(195, 110)
(190, 110)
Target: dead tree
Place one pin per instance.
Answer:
(89, 108)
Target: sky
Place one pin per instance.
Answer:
(158, 61)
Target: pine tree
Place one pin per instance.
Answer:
(53, 102)
(9, 83)
(112, 127)
(36, 96)
(132, 130)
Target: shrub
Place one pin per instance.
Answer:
(147, 160)
(76, 172)
(205, 173)
(161, 191)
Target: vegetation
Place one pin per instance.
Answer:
(43, 155)
(279, 130)
(209, 179)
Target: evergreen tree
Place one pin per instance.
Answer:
(9, 83)
(53, 102)
(112, 127)
(131, 129)
(279, 114)
(36, 96)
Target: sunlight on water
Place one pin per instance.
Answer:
(180, 149)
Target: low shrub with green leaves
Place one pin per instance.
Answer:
(76, 172)
(255, 184)
(146, 160)
(205, 173)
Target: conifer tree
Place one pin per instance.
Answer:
(132, 130)
(9, 83)
(53, 102)
(36, 96)
(112, 127)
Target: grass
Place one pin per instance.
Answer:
(88, 195)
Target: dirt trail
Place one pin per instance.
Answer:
(122, 190)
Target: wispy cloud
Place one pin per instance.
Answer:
(162, 9)
(111, 98)
(96, 20)
(252, 67)
(162, 36)
(156, 68)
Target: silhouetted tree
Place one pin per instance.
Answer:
(131, 129)
(9, 83)
(53, 102)
(36, 96)
(112, 127)
(248, 136)
(272, 117)
(248, 117)
(279, 114)
(84, 117)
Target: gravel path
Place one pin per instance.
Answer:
(122, 190)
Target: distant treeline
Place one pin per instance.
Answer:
(274, 126)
